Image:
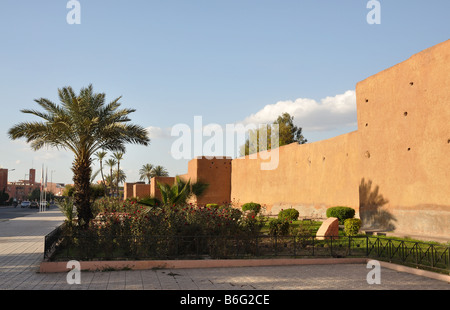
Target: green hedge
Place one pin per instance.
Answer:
(251, 206)
(342, 213)
(352, 226)
(288, 214)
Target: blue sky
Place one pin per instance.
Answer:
(227, 61)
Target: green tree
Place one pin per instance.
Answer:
(146, 172)
(100, 156)
(110, 180)
(4, 196)
(287, 133)
(83, 124)
(159, 171)
(118, 156)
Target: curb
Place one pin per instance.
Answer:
(60, 267)
(55, 267)
(416, 271)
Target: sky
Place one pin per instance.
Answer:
(226, 61)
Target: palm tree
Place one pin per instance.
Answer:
(120, 176)
(146, 172)
(181, 191)
(118, 156)
(159, 171)
(111, 163)
(100, 156)
(83, 124)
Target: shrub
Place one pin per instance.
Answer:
(342, 213)
(352, 226)
(288, 214)
(251, 206)
(278, 227)
(150, 201)
(212, 205)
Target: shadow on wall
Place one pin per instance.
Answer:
(371, 209)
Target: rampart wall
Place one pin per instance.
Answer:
(394, 170)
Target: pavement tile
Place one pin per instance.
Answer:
(21, 251)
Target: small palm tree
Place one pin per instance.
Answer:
(100, 156)
(181, 191)
(111, 163)
(146, 172)
(118, 156)
(119, 176)
(160, 171)
(83, 124)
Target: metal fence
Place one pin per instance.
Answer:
(110, 247)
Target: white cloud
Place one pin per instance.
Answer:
(157, 132)
(329, 113)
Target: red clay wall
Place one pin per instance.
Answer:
(394, 170)
(404, 124)
(216, 173)
(309, 177)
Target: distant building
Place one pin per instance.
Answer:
(20, 189)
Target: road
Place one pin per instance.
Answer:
(9, 212)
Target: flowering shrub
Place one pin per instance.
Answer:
(114, 217)
(133, 229)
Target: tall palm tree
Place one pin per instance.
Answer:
(100, 156)
(159, 171)
(111, 163)
(118, 156)
(83, 124)
(146, 172)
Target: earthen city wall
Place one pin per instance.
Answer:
(394, 170)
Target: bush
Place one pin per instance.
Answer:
(278, 227)
(251, 206)
(342, 213)
(352, 226)
(150, 201)
(212, 205)
(288, 214)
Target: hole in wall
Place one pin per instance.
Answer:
(367, 100)
(411, 83)
(409, 149)
(448, 141)
(405, 113)
(367, 124)
(367, 154)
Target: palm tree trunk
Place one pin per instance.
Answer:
(82, 192)
(118, 171)
(111, 183)
(103, 178)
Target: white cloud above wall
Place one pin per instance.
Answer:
(311, 115)
(329, 113)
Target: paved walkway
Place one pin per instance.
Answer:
(21, 251)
